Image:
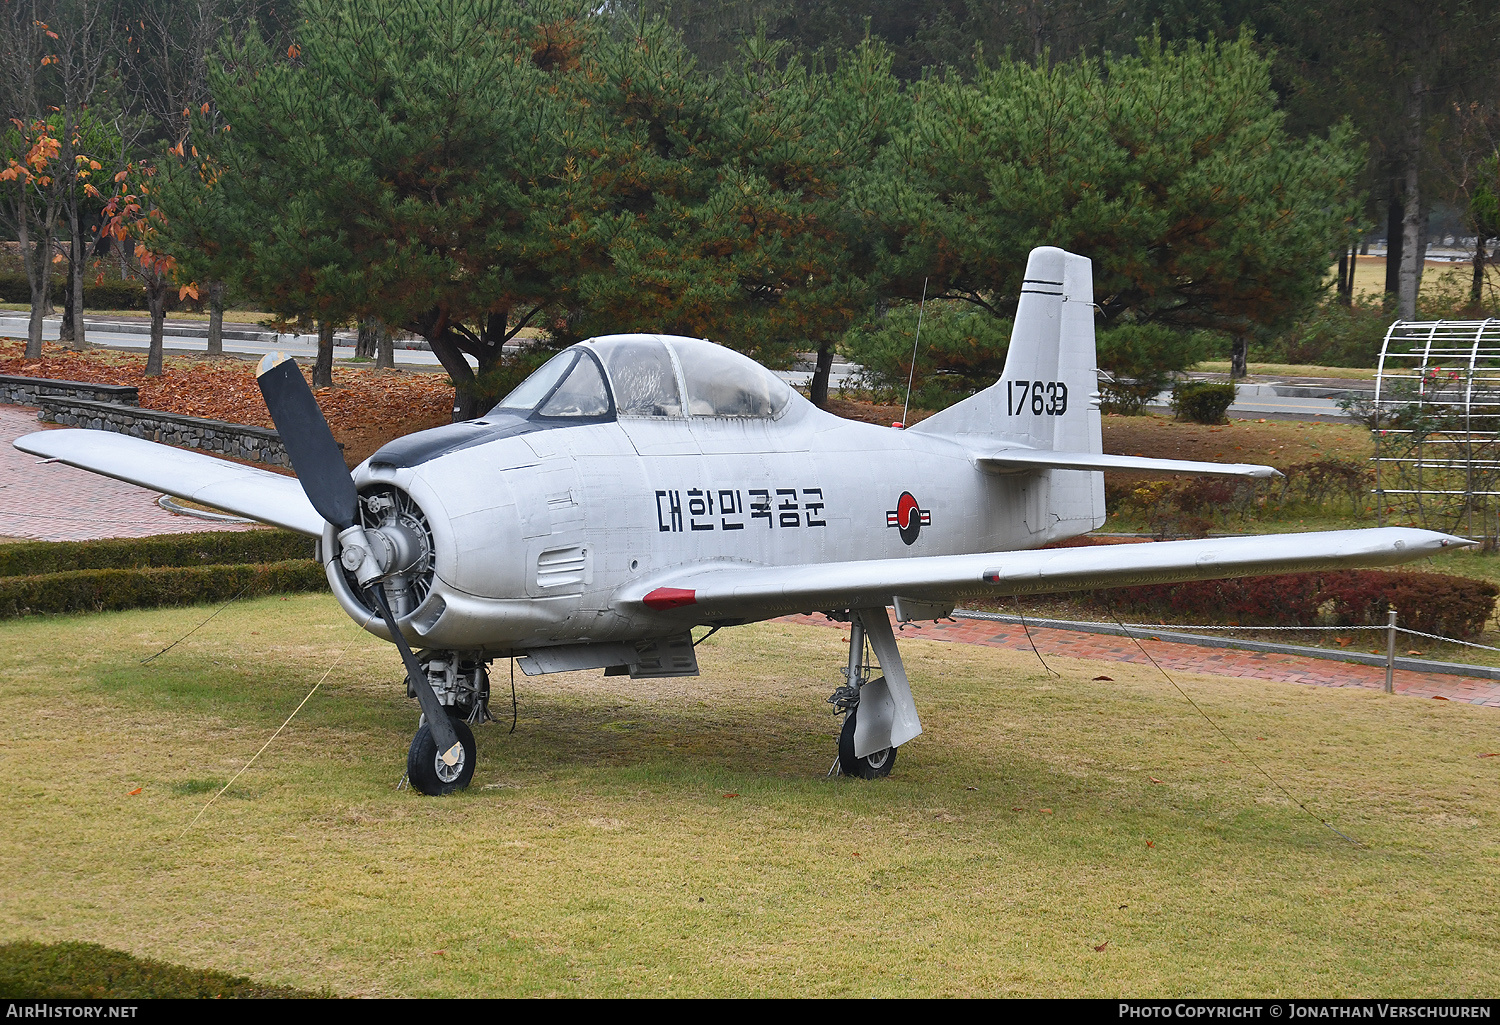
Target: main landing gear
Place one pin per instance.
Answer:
(879, 715)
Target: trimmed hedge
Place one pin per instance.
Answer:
(87, 971)
(104, 590)
(1431, 602)
(235, 547)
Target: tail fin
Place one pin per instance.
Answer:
(1047, 397)
(1046, 401)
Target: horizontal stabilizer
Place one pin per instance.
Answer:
(703, 594)
(243, 490)
(1018, 460)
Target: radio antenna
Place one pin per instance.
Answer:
(915, 342)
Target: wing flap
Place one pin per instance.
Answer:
(730, 591)
(1019, 460)
(244, 490)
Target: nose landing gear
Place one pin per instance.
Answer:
(426, 769)
(461, 682)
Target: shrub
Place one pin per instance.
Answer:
(1329, 480)
(87, 971)
(1202, 402)
(1178, 508)
(1139, 361)
(1332, 335)
(30, 558)
(1431, 602)
(103, 590)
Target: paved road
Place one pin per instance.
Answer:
(1274, 400)
(1190, 658)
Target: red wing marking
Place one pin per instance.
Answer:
(664, 598)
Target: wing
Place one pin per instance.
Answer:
(1018, 460)
(735, 591)
(259, 494)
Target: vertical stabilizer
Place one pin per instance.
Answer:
(1046, 400)
(1047, 397)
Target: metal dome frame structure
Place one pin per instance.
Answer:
(1436, 425)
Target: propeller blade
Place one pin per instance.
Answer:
(314, 454)
(437, 716)
(329, 487)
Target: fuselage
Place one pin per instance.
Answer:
(533, 533)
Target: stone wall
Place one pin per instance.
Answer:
(29, 391)
(241, 441)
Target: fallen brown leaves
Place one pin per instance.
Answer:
(365, 408)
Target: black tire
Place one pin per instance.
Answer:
(422, 762)
(875, 766)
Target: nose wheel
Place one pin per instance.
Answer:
(434, 777)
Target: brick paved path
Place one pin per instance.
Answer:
(53, 502)
(1191, 658)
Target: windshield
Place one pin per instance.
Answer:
(568, 385)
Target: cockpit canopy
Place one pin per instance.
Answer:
(648, 376)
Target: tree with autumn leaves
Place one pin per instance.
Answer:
(30, 186)
(134, 220)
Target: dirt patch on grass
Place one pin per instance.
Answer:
(1278, 443)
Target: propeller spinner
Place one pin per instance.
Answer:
(369, 555)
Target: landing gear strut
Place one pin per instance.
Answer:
(868, 749)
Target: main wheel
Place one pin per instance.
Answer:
(873, 766)
(426, 769)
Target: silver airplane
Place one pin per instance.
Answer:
(638, 486)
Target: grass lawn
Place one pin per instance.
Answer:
(1369, 274)
(1046, 836)
(1281, 370)
(1279, 443)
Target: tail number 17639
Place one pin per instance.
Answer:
(1039, 398)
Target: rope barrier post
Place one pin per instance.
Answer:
(1390, 652)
